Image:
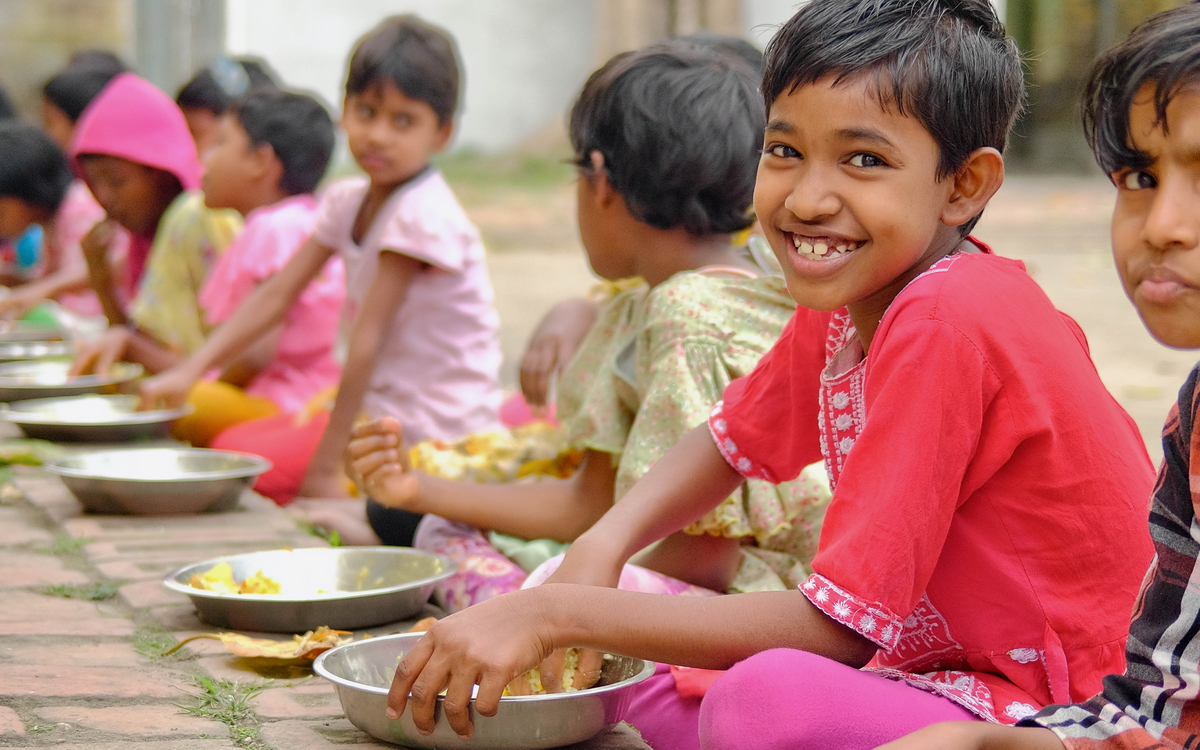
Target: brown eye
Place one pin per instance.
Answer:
(1138, 180)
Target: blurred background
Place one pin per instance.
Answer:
(524, 62)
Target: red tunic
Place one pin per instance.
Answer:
(987, 529)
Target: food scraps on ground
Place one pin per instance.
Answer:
(306, 647)
(219, 579)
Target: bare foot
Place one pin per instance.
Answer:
(346, 517)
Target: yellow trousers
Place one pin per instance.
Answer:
(219, 406)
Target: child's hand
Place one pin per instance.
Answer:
(552, 346)
(18, 303)
(487, 644)
(168, 390)
(95, 243)
(377, 461)
(976, 735)
(99, 355)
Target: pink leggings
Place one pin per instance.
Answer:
(795, 700)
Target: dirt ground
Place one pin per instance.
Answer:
(1057, 225)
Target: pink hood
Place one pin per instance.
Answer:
(133, 119)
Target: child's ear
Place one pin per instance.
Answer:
(442, 139)
(266, 163)
(599, 177)
(976, 181)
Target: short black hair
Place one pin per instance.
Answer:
(731, 45)
(679, 126)
(221, 81)
(947, 63)
(1163, 51)
(296, 126)
(418, 58)
(75, 87)
(98, 59)
(32, 166)
(8, 110)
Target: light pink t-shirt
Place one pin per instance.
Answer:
(438, 371)
(304, 361)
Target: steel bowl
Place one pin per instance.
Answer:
(362, 673)
(91, 419)
(342, 587)
(158, 481)
(21, 330)
(18, 351)
(50, 379)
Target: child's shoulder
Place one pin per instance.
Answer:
(974, 288)
(698, 303)
(188, 213)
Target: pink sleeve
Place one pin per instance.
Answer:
(263, 247)
(429, 227)
(335, 213)
(926, 393)
(766, 424)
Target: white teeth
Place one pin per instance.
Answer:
(841, 248)
(820, 248)
(805, 248)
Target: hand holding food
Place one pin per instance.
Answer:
(95, 243)
(378, 463)
(487, 644)
(99, 355)
(564, 671)
(168, 390)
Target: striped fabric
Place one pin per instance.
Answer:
(1156, 703)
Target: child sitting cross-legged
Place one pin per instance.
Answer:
(986, 529)
(1142, 118)
(660, 192)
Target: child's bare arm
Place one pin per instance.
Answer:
(559, 509)
(494, 641)
(24, 298)
(263, 309)
(976, 735)
(120, 344)
(386, 294)
(95, 253)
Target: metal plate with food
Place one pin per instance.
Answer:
(91, 419)
(17, 351)
(341, 587)
(52, 379)
(21, 330)
(158, 481)
(362, 673)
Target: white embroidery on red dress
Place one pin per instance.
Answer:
(964, 689)
(866, 618)
(925, 642)
(1024, 655)
(719, 429)
(1018, 710)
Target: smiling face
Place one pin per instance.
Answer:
(132, 194)
(1156, 220)
(848, 196)
(390, 135)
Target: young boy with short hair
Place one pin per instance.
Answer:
(986, 529)
(1142, 119)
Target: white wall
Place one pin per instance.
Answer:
(524, 60)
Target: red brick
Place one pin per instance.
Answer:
(126, 570)
(140, 721)
(195, 744)
(65, 681)
(312, 735)
(10, 723)
(27, 613)
(31, 569)
(230, 667)
(67, 651)
(17, 527)
(150, 594)
(305, 702)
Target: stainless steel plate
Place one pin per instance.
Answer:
(343, 588)
(91, 419)
(158, 481)
(20, 330)
(15, 351)
(362, 673)
(49, 379)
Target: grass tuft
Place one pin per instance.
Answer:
(89, 592)
(63, 544)
(230, 703)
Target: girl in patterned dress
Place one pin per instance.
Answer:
(659, 197)
(985, 531)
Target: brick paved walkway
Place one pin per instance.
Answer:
(76, 673)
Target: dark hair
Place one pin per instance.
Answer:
(32, 166)
(98, 59)
(730, 45)
(8, 111)
(75, 87)
(947, 63)
(221, 81)
(419, 59)
(679, 126)
(296, 127)
(1163, 51)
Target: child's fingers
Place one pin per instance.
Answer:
(457, 703)
(366, 466)
(368, 444)
(381, 426)
(535, 373)
(83, 361)
(407, 672)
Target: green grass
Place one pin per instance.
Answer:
(36, 728)
(505, 171)
(334, 539)
(152, 645)
(63, 544)
(91, 592)
(230, 703)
